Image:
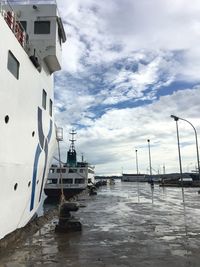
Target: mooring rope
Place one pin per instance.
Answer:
(62, 197)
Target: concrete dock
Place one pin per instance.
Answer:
(126, 224)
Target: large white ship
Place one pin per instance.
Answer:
(30, 50)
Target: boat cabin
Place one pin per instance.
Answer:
(39, 30)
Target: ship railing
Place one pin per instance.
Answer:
(28, 2)
(14, 24)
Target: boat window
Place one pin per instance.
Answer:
(15, 186)
(61, 170)
(42, 27)
(44, 99)
(13, 65)
(6, 119)
(23, 25)
(72, 170)
(67, 181)
(79, 181)
(59, 36)
(50, 107)
(81, 170)
(51, 171)
(52, 181)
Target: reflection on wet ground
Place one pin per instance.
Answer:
(124, 225)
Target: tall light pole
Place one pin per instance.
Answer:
(150, 168)
(136, 161)
(137, 175)
(196, 140)
(179, 154)
(163, 168)
(179, 151)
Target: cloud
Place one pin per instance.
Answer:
(111, 140)
(105, 32)
(126, 68)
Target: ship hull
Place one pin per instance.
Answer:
(27, 139)
(68, 193)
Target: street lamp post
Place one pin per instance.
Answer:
(195, 132)
(59, 138)
(179, 151)
(136, 161)
(150, 168)
(179, 154)
(138, 190)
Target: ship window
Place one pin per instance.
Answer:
(59, 36)
(81, 170)
(42, 27)
(79, 181)
(6, 119)
(51, 171)
(67, 181)
(44, 99)
(62, 170)
(23, 25)
(50, 107)
(13, 64)
(72, 170)
(15, 186)
(52, 181)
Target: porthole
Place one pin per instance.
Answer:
(15, 186)
(6, 119)
(29, 183)
(33, 133)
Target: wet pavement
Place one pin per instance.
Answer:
(122, 226)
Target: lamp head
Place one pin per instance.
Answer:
(175, 117)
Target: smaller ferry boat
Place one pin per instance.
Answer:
(71, 177)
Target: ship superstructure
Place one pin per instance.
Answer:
(30, 50)
(72, 177)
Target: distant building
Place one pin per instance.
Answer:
(134, 177)
(105, 177)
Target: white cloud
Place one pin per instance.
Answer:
(94, 29)
(112, 139)
(162, 39)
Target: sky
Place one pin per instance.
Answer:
(127, 65)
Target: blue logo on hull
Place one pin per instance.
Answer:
(42, 146)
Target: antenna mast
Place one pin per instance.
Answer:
(72, 140)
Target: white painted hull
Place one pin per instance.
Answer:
(24, 159)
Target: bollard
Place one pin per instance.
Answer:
(92, 191)
(67, 223)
